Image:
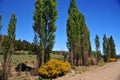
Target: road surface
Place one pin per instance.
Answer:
(110, 71)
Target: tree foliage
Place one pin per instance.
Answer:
(108, 55)
(78, 41)
(109, 49)
(8, 46)
(45, 16)
(112, 47)
(105, 44)
(97, 43)
(98, 52)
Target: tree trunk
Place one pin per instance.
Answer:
(85, 56)
(39, 58)
(71, 57)
(77, 60)
(7, 64)
(5, 74)
(43, 56)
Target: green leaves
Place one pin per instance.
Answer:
(97, 43)
(9, 40)
(77, 34)
(45, 15)
(12, 27)
(104, 44)
(109, 49)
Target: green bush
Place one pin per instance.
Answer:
(54, 68)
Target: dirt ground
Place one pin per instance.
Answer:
(111, 71)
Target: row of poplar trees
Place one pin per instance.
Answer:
(78, 43)
(45, 16)
(109, 50)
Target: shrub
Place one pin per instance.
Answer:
(54, 68)
(112, 59)
(92, 61)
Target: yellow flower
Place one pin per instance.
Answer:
(54, 68)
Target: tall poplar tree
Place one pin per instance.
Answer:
(77, 36)
(73, 31)
(8, 46)
(45, 16)
(112, 47)
(97, 43)
(105, 47)
(111, 50)
(104, 44)
(108, 52)
(85, 42)
(38, 27)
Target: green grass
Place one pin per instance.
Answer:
(20, 58)
(16, 59)
(57, 56)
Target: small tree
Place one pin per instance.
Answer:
(8, 46)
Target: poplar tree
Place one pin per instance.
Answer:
(77, 36)
(73, 32)
(112, 47)
(85, 43)
(105, 47)
(108, 55)
(45, 16)
(104, 44)
(38, 27)
(8, 46)
(97, 43)
(110, 50)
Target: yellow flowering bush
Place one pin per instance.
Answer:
(54, 68)
(112, 59)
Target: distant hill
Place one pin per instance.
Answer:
(118, 55)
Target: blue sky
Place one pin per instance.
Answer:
(102, 17)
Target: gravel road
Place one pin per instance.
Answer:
(111, 71)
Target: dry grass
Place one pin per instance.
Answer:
(29, 60)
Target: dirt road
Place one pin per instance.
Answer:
(110, 71)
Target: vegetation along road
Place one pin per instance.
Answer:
(111, 71)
